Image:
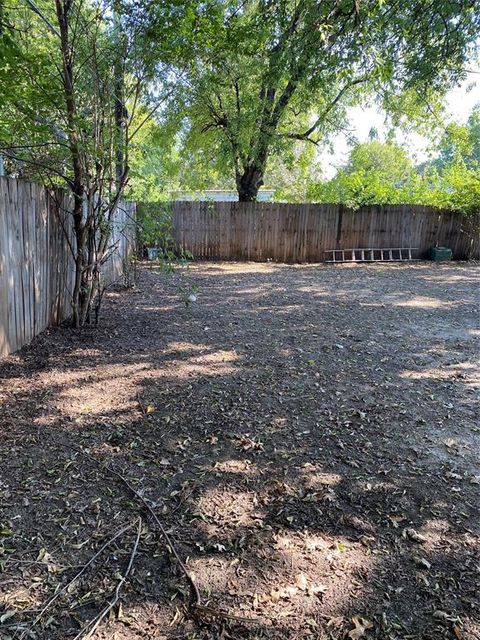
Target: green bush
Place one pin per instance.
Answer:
(155, 229)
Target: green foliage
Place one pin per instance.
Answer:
(381, 173)
(29, 89)
(290, 173)
(457, 188)
(256, 76)
(155, 229)
(376, 172)
(388, 161)
(461, 142)
(188, 293)
(154, 221)
(154, 164)
(35, 132)
(72, 97)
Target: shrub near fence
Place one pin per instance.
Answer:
(304, 232)
(36, 263)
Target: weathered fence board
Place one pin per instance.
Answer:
(303, 232)
(36, 262)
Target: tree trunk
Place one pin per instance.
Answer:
(91, 241)
(249, 182)
(119, 96)
(86, 280)
(78, 295)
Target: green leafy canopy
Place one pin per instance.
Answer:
(258, 75)
(382, 173)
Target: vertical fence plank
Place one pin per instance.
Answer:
(303, 233)
(36, 263)
(5, 346)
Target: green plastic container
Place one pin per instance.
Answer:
(440, 254)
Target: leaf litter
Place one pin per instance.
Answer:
(311, 491)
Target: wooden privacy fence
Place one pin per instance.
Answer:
(304, 232)
(36, 264)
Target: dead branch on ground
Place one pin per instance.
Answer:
(196, 608)
(71, 582)
(93, 624)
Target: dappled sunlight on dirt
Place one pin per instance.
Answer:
(308, 435)
(422, 302)
(464, 275)
(448, 370)
(185, 347)
(314, 478)
(245, 467)
(96, 390)
(227, 509)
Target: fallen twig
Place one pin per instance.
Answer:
(96, 621)
(67, 586)
(195, 598)
(195, 601)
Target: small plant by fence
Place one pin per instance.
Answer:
(305, 232)
(36, 262)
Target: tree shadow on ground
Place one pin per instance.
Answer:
(305, 433)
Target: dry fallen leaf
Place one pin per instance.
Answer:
(440, 615)
(458, 632)
(422, 562)
(361, 625)
(451, 475)
(414, 535)
(301, 581)
(150, 408)
(316, 589)
(395, 520)
(451, 443)
(335, 622)
(284, 593)
(249, 444)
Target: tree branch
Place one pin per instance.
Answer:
(71, 582)
(321, 118)
(93, 624)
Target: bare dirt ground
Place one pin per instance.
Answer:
(307, 434)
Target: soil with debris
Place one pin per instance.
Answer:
(307, 435)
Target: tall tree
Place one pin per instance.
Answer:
(376, 172)
(64, 84)
(461, 142)
(382, 173)
(255, 68)
(386, 159)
